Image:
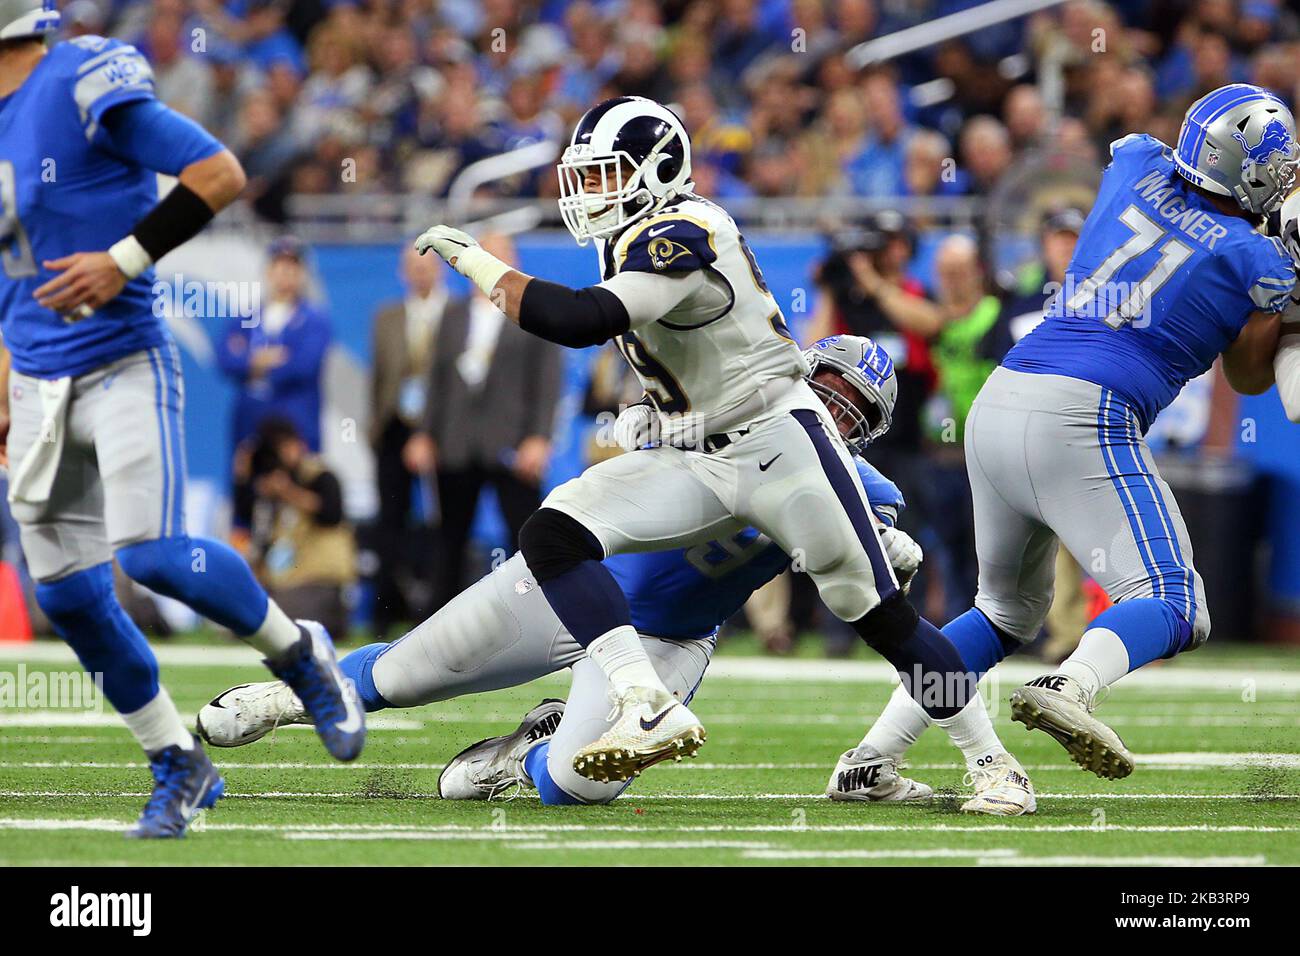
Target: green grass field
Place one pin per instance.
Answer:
(1218, 782)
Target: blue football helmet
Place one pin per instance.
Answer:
(865, 366)
(1240, 141)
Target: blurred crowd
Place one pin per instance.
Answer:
(366, 96)
(376, 96)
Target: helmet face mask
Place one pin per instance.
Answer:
(638, 152)
(606, 210)
(865, 368)
(1239, 141)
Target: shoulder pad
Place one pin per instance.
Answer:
(105, 73)
(1272, 274)
(666, 244)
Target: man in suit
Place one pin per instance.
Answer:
(403, 336)
(493, 390)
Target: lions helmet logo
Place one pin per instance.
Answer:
(1274, 139)
(664, 252)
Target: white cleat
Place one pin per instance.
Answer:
(249, 712)
(1059, 706)
(866, 775)
(649, 726)
(495, 767)
(1002, 789)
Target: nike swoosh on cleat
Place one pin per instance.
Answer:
(353, 723)
(658, 719)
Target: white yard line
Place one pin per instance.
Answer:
(508, 831)
(1128, 861)
(1178, 761)
(634, 798)
(759, 669)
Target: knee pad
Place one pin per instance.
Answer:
(888, 624)
(552, 543)
(158, 564)
(79, 598)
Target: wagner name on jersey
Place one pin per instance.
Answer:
(708, 340)
(1161, 282)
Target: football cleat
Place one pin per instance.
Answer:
(330, 700)
(1059, 706)
(249, 712)
(495, 767)
(185, 782)
(1002, 789)
(867, 775)
(649, 726)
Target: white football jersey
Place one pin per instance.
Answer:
(708, 340)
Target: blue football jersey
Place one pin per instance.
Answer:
(1160, 284)
(63, 191)
(688, 593)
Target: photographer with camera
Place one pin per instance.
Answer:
(299, 543)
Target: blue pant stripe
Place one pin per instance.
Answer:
(176, 416)
(1187, 581)
(162, 440)
(848, 491)
(1106, 436)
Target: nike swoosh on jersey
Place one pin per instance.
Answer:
(659, 232)
(765, 465)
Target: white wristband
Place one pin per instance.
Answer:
(130, 256)
(481, 268)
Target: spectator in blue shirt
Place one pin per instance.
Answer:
(277, 363)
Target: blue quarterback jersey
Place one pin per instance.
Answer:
(64, 189)
(688, 593)
(1160, 284)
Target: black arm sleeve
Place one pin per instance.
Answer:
(176, 219)
(576, 318)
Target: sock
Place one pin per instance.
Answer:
(1122, 639)
(979, 643)
(359, 667)
(208, 576)
(931, 669)
(624, 660)
(971, 732)
(552, 794)
(588, 601)
(158, 724)
(277, 635)
(899, 725)
(84, 612)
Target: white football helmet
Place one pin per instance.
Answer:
(869, 369)
(640, 152)
(27, 18)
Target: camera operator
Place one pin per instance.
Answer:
(300, 545)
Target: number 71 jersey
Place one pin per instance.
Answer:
(1160, 284)
(706, 360)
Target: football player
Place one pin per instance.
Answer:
(742, 436)
(1171, 272)
(94, 397)
(502, 633)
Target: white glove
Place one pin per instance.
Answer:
(636, 427)
(905, 555)
(463, 253)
